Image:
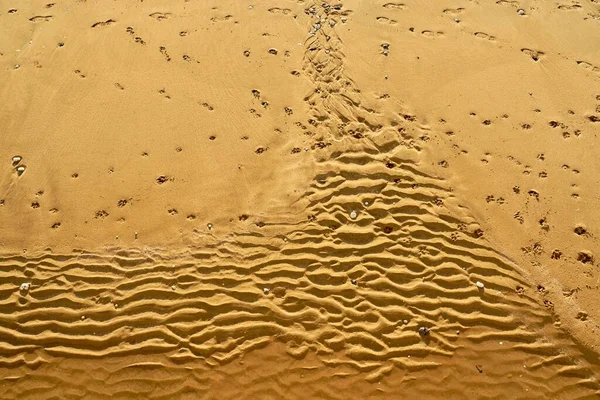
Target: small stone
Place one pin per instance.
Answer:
(479, 285)
(520, 11)
(83, 317)
(353, 281)
(458, 332)
(209, 226)
(25, 287)
(16, 159)
(457, 20)
(174, 287)
(17, 66)
(60, 44)
(353, 214)
(20, 169)
(405, 322)
(423, 331)
(266, 290)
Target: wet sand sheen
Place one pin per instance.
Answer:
(235, 201)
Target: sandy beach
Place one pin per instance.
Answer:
(299, 199)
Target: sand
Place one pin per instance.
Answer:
(216, 199)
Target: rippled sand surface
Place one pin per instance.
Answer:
(298, 199)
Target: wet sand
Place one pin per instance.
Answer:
(233, 200)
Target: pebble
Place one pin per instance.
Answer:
(17, 159)
(353, 281)
(17, 66)
(209, 226)
(353, 214)
(405, 322)
(25, 287)
(266, 290)
(480, 285)
(20, 169)
(423, 331)
(520, 11)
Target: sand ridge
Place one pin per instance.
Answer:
(240, 188)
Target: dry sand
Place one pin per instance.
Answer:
(234, 200)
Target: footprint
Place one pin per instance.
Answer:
(207, 106)
(568, 7)
(483, 35)
(589, 66)
(534, 54)
(104, 23)
(221, 19)
(432, 34)
(163, 51)
(508, 3)
(101, 214)
(384, 20)
(394, 6)
(277, 10)
(160, 16)
(454, 11)
(41, 18)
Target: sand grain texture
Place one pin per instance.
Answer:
(231, 200)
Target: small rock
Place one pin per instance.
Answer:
(25, 287)
(520, 11)
(405, 322)
(353, 214)
(209, 226)
(20, 169)
(266, 290)
(423, 331)
(480, 285)
(353, 281)
(16, 159)
(457, 20)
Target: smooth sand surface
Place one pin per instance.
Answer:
(218, 199)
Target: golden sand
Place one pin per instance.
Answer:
(299, 199)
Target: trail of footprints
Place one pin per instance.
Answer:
(378, 256)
